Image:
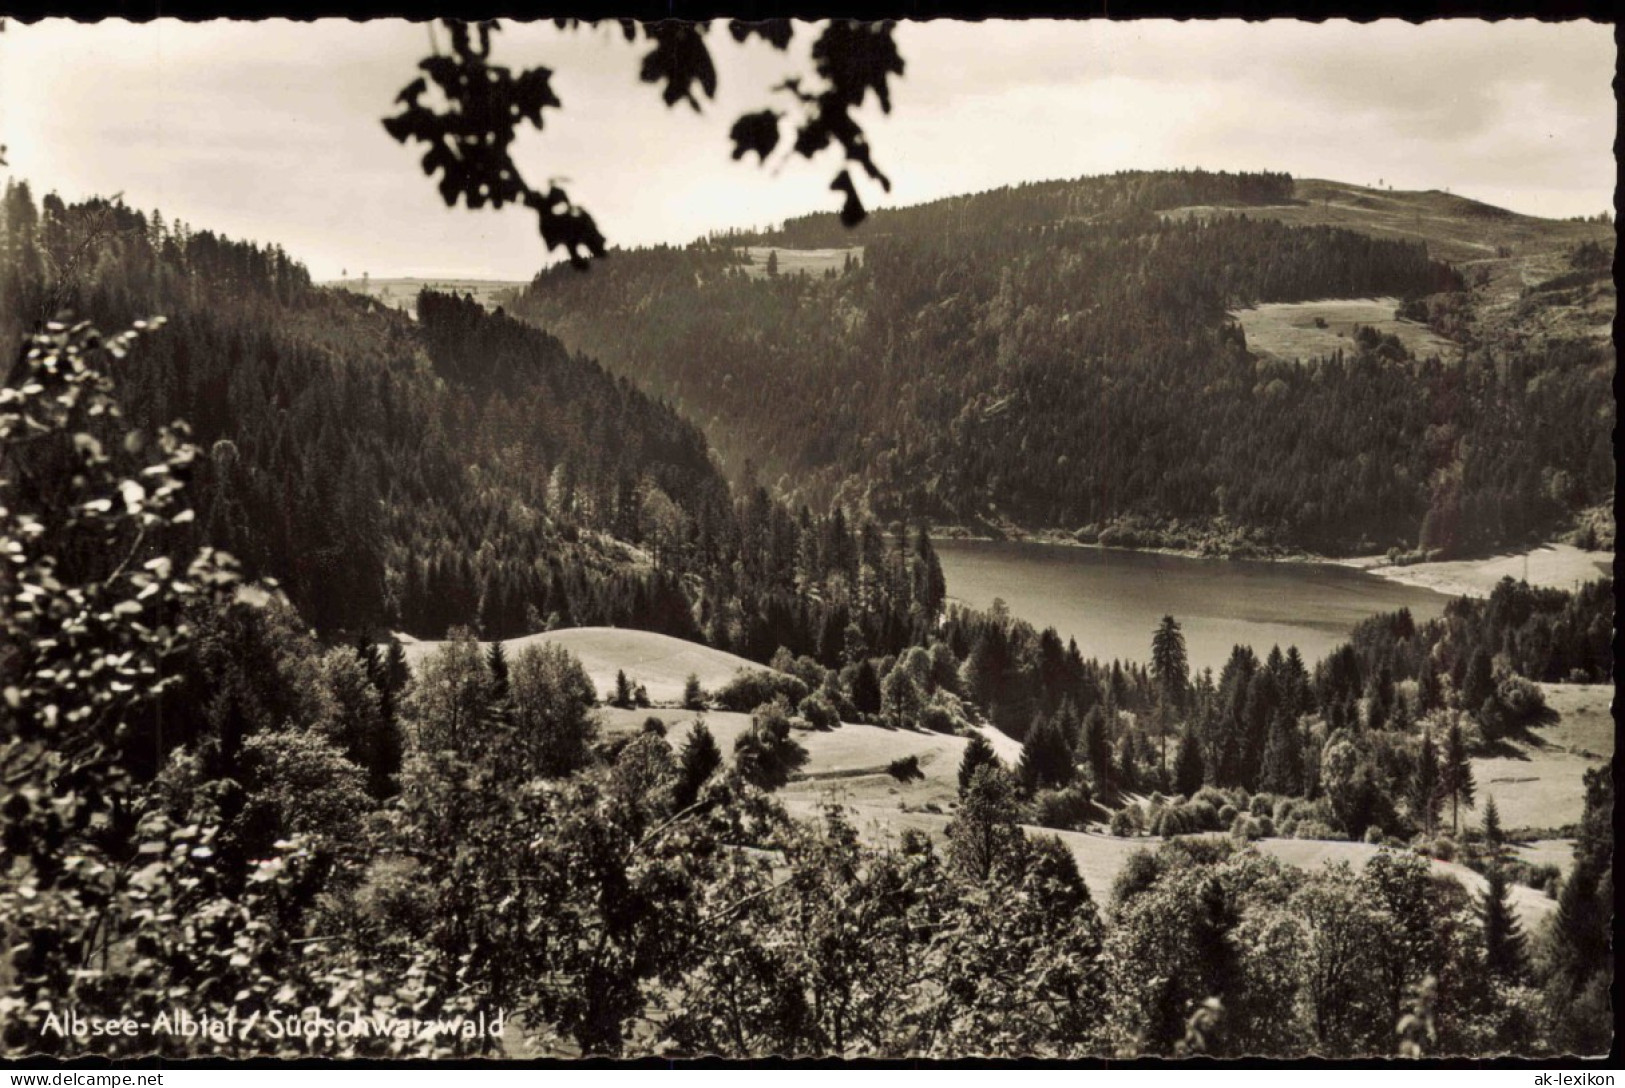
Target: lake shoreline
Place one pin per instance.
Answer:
(1551, 565)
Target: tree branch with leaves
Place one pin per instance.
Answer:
(482, 107)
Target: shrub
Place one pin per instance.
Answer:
(1063, 810)
(1227, 816)
(654, 726)
(1172, 821)
(1263, 805)
(1266, 827)
(1444, 849)
(1317, 829)
(819, 711)
(905, 768)
(1288, 828)
(1246, 828)
(751, 689)
(1202, 816)
(1285, 807)
(1212, 797)
(1373, 835)
(1124, 824)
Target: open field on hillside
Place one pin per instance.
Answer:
(1539, 786)
(1306, 330)
(1555, 566)
(814, 262)
(660, 663)
(1100, 858)
(848, 766)
(1501, 253)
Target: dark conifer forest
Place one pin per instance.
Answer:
(1059, 356)
(456, 469)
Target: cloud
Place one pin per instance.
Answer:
(271, 130)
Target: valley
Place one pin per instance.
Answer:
(755, 466)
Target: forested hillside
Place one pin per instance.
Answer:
(210, 800)
(462, 469)
(1058, 355)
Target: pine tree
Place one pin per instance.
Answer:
(1492, 825)
(1479, 683)
(1097, 749)
(696, 763)
(772, 262)
(1126, 773)
(978, 753)
(1503, 938)
(1425, 789)
(866, 689)
(1046, 757)
(496, 660)
(1456, 775)
(1282, 772)
(693, 694)
(1188, 768)
(1169, 665)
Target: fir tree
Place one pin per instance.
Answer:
(1168, 662)
(496, 661)
(1282, 772)
(1046, 757)
(623, 689)
(1479, 683)
(1127, 772)
(1097, 749)
(866, 689)
(693, 694)
(1425, 792)
(698, 760)
(1492, 825)
(1188, 768)
(978, 753)
(1503, 938)
(1456, 775)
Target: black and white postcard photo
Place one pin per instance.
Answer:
(1070, 540)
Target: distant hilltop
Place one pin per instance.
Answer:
(403, 290)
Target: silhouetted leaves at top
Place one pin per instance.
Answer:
(776, 32)
(758, 132)
(566, 226)
(856, 58)
(679, 59)
(852, 212)
(469, 139)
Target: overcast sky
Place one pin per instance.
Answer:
(271, 131)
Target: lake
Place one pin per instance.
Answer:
(1111, 601)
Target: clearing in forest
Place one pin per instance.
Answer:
(1307, 330)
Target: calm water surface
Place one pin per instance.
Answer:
(1111, 601)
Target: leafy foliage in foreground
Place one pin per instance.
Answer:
(613, 898)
